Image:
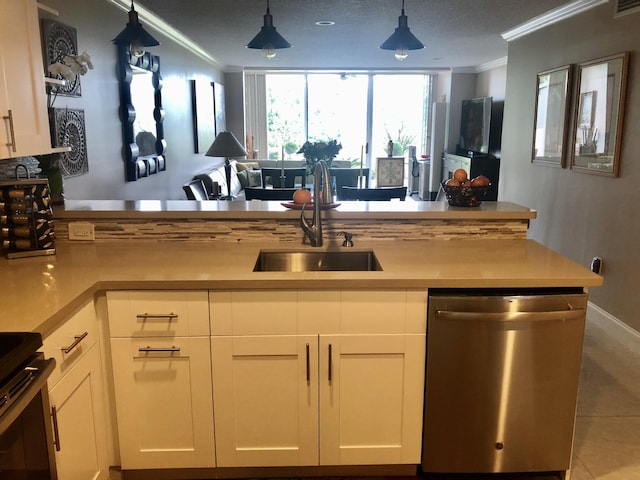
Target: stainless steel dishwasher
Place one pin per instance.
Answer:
(502, 379)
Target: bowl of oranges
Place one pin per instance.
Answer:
(464, 192)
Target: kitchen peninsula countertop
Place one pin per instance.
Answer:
(40, 292)
(220, 209)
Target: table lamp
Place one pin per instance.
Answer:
(226, 145)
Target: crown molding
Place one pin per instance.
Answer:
(552, 16)
(498, 62)
(159, 25)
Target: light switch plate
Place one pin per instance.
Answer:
(81, 231)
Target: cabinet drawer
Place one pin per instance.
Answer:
(158, 313)
(69, 343)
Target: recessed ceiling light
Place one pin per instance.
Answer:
(325, 23)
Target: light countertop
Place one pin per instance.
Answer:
(40, 292)
(409, 209)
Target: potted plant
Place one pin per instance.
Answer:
(50, 167)
(313, 152)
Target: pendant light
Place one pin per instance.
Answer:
(267, 39)
(135, 36)
(402, 40)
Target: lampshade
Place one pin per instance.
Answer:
(402, 40)
(135, 36)
(267, 39)
(226, 145)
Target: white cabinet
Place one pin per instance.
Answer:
(318, 378)
(162, 378)
(23, 106)
(266, 409)
(77, 399)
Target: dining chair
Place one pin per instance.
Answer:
(195, 190)
(382, 193)
(348, 177)
(271, 176)
(257, 193)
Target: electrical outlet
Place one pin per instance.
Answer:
(81, 231)
(596, 265)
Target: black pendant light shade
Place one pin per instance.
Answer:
(135, 36)
(268, 39)
(402, 40)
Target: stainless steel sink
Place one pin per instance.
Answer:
(316, 261)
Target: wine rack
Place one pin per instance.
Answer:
(26, 226)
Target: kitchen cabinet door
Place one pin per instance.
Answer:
(371, 392)
(265, 391)
(163, 402)
(77, 400)
(23, 104)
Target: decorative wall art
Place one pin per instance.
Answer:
(553, 100)
(68, 130)
(390, 172)
(597, 132)
(60, 40)
(218, 105)
(204, 127)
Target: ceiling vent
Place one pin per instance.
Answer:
(624, 7)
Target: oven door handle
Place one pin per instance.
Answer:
(37, 383)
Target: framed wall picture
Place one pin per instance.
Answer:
(219, 109)
(553, 99)
(204, 128)
(599, 114)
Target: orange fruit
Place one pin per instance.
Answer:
(460, 175)
(480, 181)
(302, 195)
(452, 182)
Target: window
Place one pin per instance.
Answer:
(357, 109)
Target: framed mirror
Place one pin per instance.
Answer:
(553, 98)
(141, 114)
(597, 127)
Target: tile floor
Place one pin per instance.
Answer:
(607, 436)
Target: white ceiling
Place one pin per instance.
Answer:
(457, 33)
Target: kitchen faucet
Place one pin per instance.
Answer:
(321, 194)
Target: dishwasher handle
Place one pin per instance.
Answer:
(573, 314)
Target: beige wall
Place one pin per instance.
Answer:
(97, 22)
(579, 215)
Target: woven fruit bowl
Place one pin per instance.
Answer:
(465, 195)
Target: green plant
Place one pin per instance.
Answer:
(313, 152)
(50, 166)
(290, 147)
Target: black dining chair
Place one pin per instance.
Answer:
(257, 193)
(195, 190)
(348, 177)
(374, 194)
(271, 176)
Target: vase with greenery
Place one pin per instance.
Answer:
(313, 152)
(50, 167)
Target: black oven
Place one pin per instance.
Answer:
(25, 428)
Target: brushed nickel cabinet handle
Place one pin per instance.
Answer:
(308, 365)
(78, 339)
(330, 366)
(12, 144)
(150, 316)
(56, 434)
(155, 350)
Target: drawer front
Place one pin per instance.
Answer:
(69, 343)
(158, 313)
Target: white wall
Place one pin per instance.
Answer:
(579, 215)
(97, 22)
